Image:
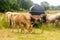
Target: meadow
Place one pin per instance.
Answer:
(44, 32)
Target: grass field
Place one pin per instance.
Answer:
(43, 33)
(6, 34)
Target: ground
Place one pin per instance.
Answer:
(7, 34)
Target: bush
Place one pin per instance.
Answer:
(3, 23)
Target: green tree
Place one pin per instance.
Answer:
(14, 5)
(45, 5)
(4, 5)
(25, 4)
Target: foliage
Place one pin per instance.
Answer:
(45, 5)
(14, 5)
(3, 22)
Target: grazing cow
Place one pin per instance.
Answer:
(8, 15)
(22, 21)
(53, 17)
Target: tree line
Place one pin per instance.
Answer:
(20, 5)
(15, 5)
(47, 6)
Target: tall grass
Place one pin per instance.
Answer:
(3, 22)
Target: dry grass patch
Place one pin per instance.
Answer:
(6, 34)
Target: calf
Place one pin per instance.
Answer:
(22, 21)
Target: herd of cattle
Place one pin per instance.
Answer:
(24, 19)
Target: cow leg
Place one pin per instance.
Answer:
(13, 26)
(22, 28)
(18, 28)
(30, 30)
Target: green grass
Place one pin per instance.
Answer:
(7, 34)
(3, 22)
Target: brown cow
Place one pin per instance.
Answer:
(22, 21)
